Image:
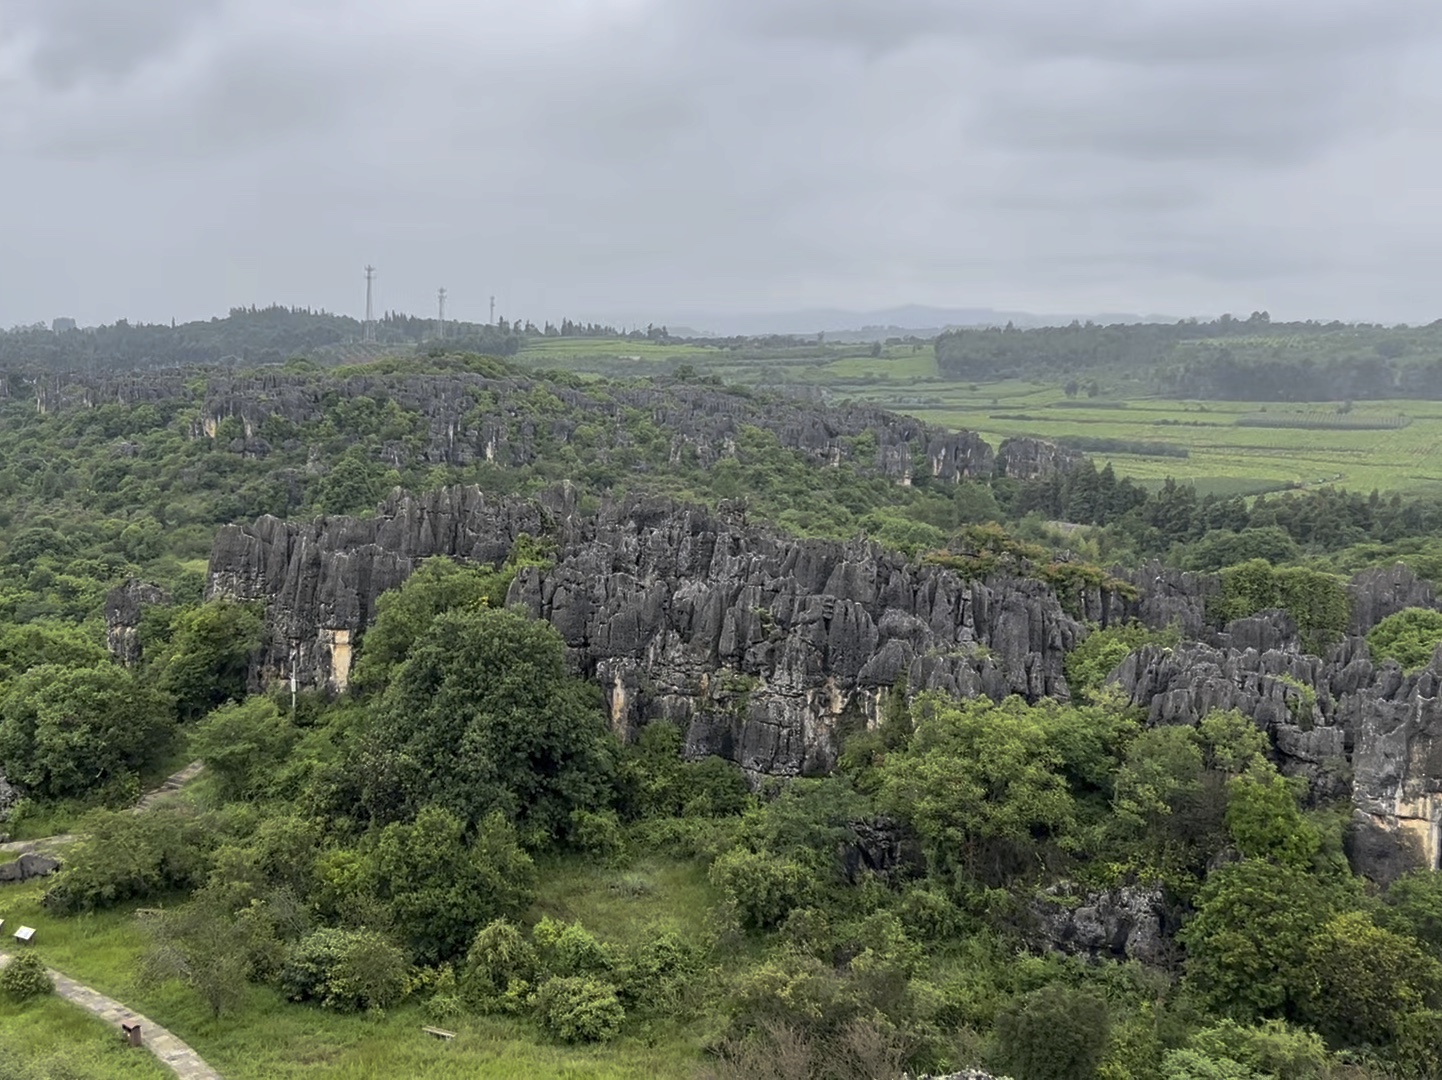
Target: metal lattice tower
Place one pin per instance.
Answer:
(370, 324)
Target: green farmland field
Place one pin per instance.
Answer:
(1229, 447)
(1222, 456)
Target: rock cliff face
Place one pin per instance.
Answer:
(1346, 724)
(123, 609)
(764, 648)
(767, 650)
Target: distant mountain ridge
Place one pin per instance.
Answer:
(915, 319)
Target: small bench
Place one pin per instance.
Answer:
(130, 1033)
(25, 935)
(439, 1033)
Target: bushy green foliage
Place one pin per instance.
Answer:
(67, 732)
(654, 781)
(1247, 947)
(499, 960)
(242, 744)
(1055, 1033)
(1264, 820)
(208, 659)
(483, 718)
(1364, 981)
(26, 977)
(578, 1009)
(124, 856)
(1409, 637)
(763, 887)
(1274, 1048)
(1102, 651)
(348, 970)
(403, 615)
(1316, 601)
(983, 785)
(440, 886)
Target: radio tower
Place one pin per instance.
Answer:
(369, 333)
(441, 306)
(493, 311)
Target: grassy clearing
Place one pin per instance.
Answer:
(272, 1038)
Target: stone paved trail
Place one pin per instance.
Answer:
(174, 1054)
(172, 784)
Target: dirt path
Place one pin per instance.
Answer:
(172, 1052)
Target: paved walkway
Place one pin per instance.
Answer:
(174, 1054)
(172, 784)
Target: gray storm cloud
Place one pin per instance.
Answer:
(642, 158)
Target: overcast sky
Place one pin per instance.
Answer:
(653, 158)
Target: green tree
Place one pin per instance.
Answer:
(241, 744)
(1247, 946)
(70, 731)
(441, 889)
(982, 785)
(1364, 981)
(1055, 1033)
(486, 719)
(208, 659)
(403, 615)
(577, 1009)
(763, 887)
(1264, 820)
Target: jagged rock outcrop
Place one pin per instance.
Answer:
(1028, 459)
(27, 867)
(1126, 923)
(123, 608)
(882, 848)
(764, 648)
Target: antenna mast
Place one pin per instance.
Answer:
(369, 334)
(493, 311)
(441, 306)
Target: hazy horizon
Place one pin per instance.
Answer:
(654, 160)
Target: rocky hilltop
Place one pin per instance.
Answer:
(767, 649)
(462, 418)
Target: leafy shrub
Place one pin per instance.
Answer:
(1316, 601)
(25, 977)
(128, 856)
(1274, 1048)
(567, 949)
(1195, 1065)
(1055, 1033)
(347, 970)
(578, 1009)
(1409, 637)
(763, 887)
(498, 959)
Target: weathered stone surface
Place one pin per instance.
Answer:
(764, 648)
(27, 867)
(883, 848)
(1385, 591)
(1127, 923)
(123, 608)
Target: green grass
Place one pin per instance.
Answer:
(46, 1032)
(272, 1038)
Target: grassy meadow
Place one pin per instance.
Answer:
(272, 1039)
